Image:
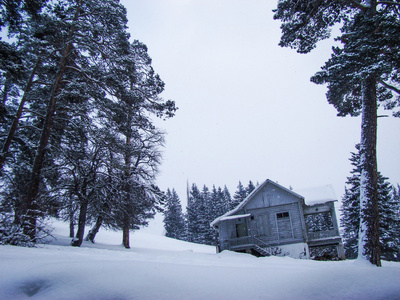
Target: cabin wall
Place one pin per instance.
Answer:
(228, 230)
(269, 196)
(277, 224)
(276, 219)
(271, 224)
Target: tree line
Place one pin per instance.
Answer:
(77, 133)
(389, 213)
(203, 207)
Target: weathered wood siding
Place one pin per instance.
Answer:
(267, 227)
(270, 195)
(266, 206)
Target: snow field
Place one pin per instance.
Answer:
(162, 268)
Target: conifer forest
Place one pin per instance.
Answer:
(79, 100)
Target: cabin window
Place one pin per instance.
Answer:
(282, 215)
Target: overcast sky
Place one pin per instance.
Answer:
(247, 109)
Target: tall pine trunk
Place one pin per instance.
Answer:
(368, 243)
(30, 202)
(127, 171)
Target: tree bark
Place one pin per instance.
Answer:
(127, 169)
(125, 234)
(368, 243)
(71, 223)
(77, 242)
(92, 233)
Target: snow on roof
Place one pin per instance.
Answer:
(318, 194)
(234, 217)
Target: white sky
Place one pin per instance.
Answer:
(247, 109)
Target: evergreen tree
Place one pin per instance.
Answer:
(239, 196)
(251, 187)
(227, 199)
(174, 222)
(389, 220)
(76, 55)
(192, 214)
(135, 89)
(350, 219)
(221, 203)
(217, 207)
(360, 75)
(204, 211)
(70, 42)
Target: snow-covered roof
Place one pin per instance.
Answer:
(243, 203)
(318, 194)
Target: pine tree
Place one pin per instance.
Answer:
(359, 75)
(217, 207)
(76, 55)
(350, 219)
(227, 199)
(192, 214)
(135, 89)
(251, 187)
(174, 222)
(203, 208)
(389, 220)
(239, 196)
(204, 211)
(64, 41)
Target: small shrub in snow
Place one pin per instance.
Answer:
(12, 234)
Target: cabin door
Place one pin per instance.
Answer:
(241, 230)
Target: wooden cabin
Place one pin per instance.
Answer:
(274, 220)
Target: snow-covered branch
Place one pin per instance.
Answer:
(388, 3)
(390, 87)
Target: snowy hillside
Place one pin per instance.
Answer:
(161, 268)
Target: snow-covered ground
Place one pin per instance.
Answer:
(157, 267)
